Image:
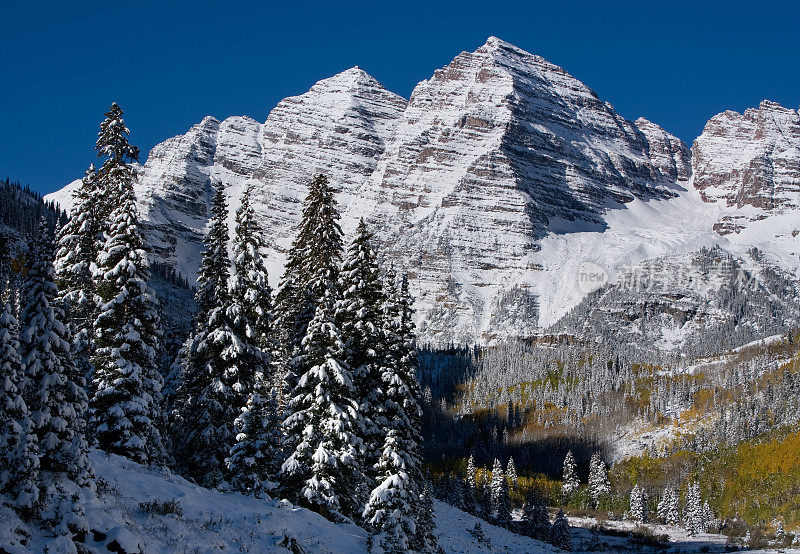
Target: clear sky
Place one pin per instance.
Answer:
(171, 63)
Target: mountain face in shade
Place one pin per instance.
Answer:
(490, 187)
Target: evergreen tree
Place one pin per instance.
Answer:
(599, 485)
(425, 540)
(312, 269)
(54, 388)
(214, 387)
(76, 259)
(511, 473)
(570, 482)
(693, 510)
(535, 520)
(362, 325)
(19, 460)
(501, 502)
(668, 509)
(470, 491)
(389, 510)
(251, 310)
(116, 172)
(399, 412)
(560, 536)
(322, 470)
(638, 505)
(126, 401)
(255, 458)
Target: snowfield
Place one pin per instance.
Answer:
(204, 521)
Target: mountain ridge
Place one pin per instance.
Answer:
(489, 186)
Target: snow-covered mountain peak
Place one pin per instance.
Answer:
(488, 187)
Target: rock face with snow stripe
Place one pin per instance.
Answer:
(489, 186)
(496, 150)
(750, 161)
(339, 127)
(667, 152)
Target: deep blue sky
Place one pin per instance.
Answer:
(171, 63)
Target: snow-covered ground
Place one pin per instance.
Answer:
(210, 521)
(679, 541)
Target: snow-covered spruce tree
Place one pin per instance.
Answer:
(693, 510)
(312, 268)
(214, 386)
(256, 457)
(359, 318)
(501, 503)
(322, 470)
(251, 311)
(403, 393)
(76, 258)
(570, 482)
(390, 509)
(116, 170)
(668, 510)
(399, 410)
(425, 540)
(708, 516)
(126, 385)
(470, 491)
(560, 536)
(599, 485)
(511, 473)
(638, 505)
(54, 388)
(19, 460)
(535, 520)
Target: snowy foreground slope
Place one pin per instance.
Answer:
(209, 521)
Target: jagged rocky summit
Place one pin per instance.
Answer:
(490, 186)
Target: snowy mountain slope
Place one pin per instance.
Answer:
(697, 303)
(492, 186)
(153, 511)
(750, 160)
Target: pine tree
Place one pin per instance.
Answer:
(126, 400)
(389, 509)
(708, 516)
(693, 510)
(214, 388)
(19, 460)
(255, 458)
(116, 172)
(570, 482)
(560, 536)
(470, 491)
(359, 317)
(251, 311)
(511, 473)
(400, 411)
(501, 503)
(78, 243)
(535, 520)
(54, 388)
(312, 269)
(255, 461)
(599, 485)
(668, 509)
(322, 470)
(425, 539)
(638, 505)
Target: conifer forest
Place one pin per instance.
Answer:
(382, 381)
